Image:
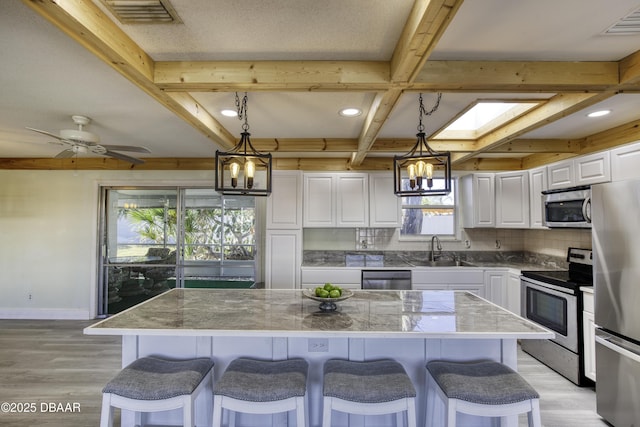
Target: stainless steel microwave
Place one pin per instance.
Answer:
(568, 208)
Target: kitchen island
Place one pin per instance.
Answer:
(412, 327)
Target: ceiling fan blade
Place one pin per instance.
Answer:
(131, 148)
(44, 132)
(66, 154)
(123, 157)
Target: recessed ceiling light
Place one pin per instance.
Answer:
(350, 112)
(599, 113)
(229, 113)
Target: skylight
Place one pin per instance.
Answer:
(484, 117)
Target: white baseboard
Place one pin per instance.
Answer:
(44, 314)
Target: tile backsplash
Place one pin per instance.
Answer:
(548, 242)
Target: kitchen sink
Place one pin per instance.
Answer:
(443, 263)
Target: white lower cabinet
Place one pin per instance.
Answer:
(503, 288)
(496, 282)
(589, 335)
(447, 278)
(513, 293)
(283, 257)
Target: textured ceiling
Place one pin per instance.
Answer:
(48, 76)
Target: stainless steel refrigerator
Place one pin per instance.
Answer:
(616, 268)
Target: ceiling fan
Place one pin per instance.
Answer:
(80, 141)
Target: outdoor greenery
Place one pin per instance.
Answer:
(209, 233)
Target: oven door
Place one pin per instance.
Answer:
(553, 307)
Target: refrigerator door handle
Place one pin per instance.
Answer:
(618, 345)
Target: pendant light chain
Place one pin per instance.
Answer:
(425, 112)
(241, 108)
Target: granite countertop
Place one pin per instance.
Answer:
(416, 259)
(288, 313)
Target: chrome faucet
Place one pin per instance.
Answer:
(438, 247)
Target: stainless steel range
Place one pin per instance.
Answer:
(553, 299)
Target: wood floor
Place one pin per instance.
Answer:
(52, 362)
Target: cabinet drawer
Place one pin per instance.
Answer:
(434, 275)
(319, 276)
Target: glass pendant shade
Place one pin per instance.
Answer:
(243, 170)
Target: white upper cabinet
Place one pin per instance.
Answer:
(284, 205)
(625, 162)
(561, 175)
(384, 206)
(537, 184)
(319, 201)
(593, 169)
(477, 196)
(584, 170)
(512, 199)
(352, 194)
(350, 200)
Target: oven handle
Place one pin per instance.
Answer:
(618, 345)
(546, 287)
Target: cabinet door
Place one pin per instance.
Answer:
(478, 200)
(625, 161)
(495, 282)
(561, 175)
(513, 293)
(589, 336)
(352, 207)
(283, 259)
(385, 208)
(284, 205)
(318, 199)
(593, 169)
(537, 184)
(512, 199)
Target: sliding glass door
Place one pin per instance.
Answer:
(156, 239)
(219, 244)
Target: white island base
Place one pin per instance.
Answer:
(411, 327)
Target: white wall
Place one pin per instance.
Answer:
(48, 227)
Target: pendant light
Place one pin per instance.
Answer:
(414, 172)
(243, 171)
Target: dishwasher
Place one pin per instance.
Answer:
(386, 279)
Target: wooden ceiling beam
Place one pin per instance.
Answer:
(426, 23)
(523, 76)
(630, 70)
(374, 76)
(85, 22)
(379, 111)
(538, 146)
(254, 76)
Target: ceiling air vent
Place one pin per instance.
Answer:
(143, 11)
(628, 25)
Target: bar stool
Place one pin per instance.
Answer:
(261, 387)
(374, 387)
(152, 384)
(483, 388)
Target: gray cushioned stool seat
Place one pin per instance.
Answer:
(155, 378)
(263, 380)
(483, 382)
(373, 381)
